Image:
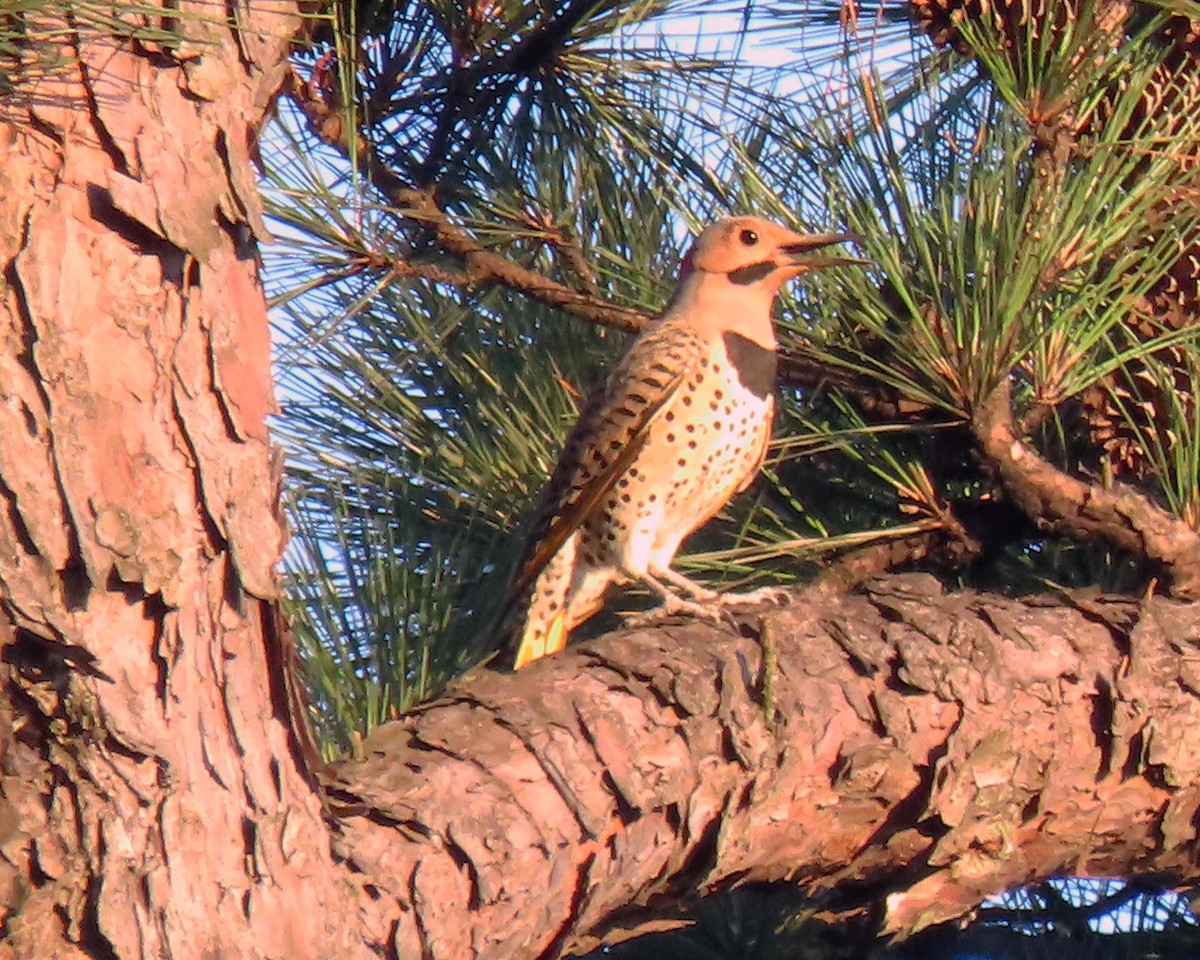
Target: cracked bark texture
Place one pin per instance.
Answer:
(927, 750)
(150, 805)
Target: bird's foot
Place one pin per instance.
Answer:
(682, 584)
(677, 606)
(779, 596)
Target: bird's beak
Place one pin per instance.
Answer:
(797, 251)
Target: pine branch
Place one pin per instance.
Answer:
(802, 365)
(799, 367)
(1061, 503)
(480, 265)
(948, 545)
(462, 100)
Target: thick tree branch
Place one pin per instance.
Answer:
(929, 750)
(1058, 502)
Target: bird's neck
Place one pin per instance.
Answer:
(714, 306)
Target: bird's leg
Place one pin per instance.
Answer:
(778, 595)
(673, 604)
(686, 584)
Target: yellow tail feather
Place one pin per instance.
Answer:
(551, 640)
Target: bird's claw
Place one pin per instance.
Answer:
(779, 596)
(677, 606)
(716, 611)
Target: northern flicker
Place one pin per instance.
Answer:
(680, 425)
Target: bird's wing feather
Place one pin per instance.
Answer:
(610, 433)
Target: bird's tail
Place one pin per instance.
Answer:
(541, 639)
(545, 627)
(567, 592)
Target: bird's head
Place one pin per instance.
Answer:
(752, 252)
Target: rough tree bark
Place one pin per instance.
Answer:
(917, 752)
(150, 804)
(154, 801)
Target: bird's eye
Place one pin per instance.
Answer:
(748, 237)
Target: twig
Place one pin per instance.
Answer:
(480, 265)
(801, 366)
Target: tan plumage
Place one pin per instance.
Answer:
(680, 425)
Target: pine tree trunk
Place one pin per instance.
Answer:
(150, 801)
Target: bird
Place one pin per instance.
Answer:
(678, 427)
